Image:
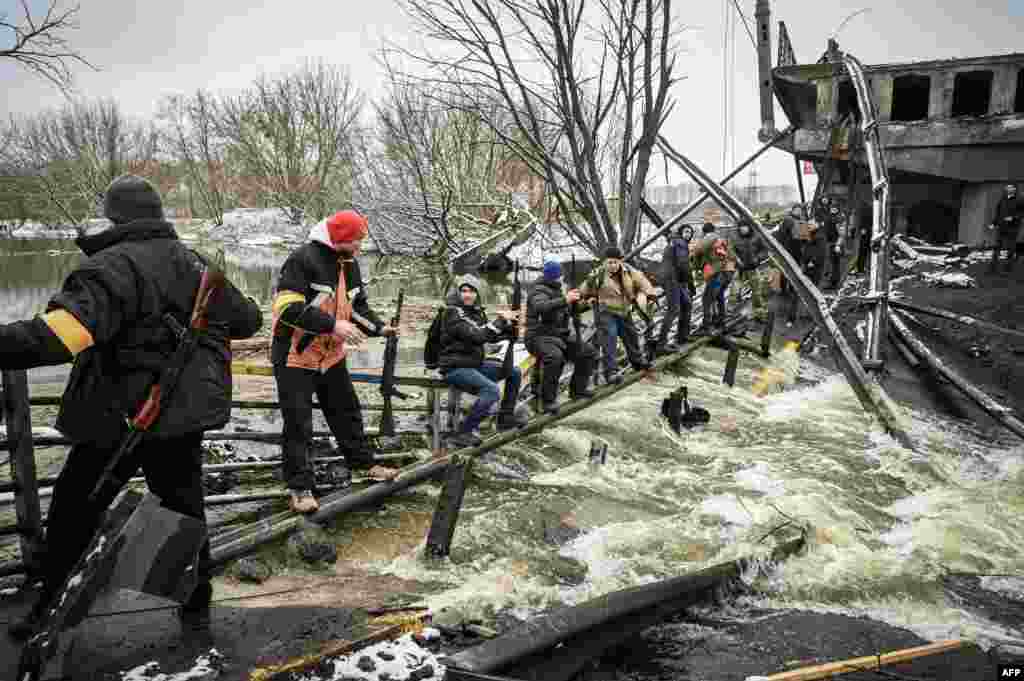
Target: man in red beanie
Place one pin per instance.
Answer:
(320, 311)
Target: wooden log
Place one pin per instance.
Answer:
(871, 395)
(964, 319)
(246, 539)
(446, 514)
(868, 662)
(18, 416)
(1004, 415)
(552, 647)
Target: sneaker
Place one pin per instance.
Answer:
(584, 394)
(463, 440)
(614, 379)
(382, 472)
(194, 614)
(303, 501)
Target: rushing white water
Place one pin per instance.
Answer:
(884, 522)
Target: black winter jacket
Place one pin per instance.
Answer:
(108, 318)
(547, 312)
(466, 331)
(749, 251)
(675, 264)
(315, 264)
(1008, 214)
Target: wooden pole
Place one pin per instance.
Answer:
(18, 416)
(1004, 415)
(866, 663)
(446, 515)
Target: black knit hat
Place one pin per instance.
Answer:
(708, 228)
(613, 252)
(131, 197)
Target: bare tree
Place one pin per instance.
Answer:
(39, 43)
(568, 74)
(77, 151)
(291, 134)
(191, 137)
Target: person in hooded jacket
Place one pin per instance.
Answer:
(108, 318)
(679, 289)
(462, 361)
(320, 311)
(550, 339)
(749, 250)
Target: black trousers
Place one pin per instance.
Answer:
(680, 307)
(340, 405)
(1005, 240)
(552, 353)
(173, 470)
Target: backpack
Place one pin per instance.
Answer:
(432, 348)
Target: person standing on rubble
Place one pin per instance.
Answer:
(550, 340)
(320, 311)
(616, 287)
(749, 250)
(465, 332)
(679, 289)
(108, 318)
(716, 257)
(789, 238)
(1006, 224)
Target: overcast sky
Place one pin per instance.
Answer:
(149, 49)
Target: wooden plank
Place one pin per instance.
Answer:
(18, 416)
(867, 663)
(446, 514)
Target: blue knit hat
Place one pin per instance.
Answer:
(552, 270)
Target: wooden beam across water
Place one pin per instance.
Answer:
(243, 540)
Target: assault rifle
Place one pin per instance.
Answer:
(387, 382)
(517, 304)
(574, 308)
(162, 391)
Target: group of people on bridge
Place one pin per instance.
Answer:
(121, 314)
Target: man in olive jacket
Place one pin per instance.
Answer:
(549, 339)
(108, 319)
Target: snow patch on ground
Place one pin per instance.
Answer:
(949, 279)
(207, 666)
(407, 657)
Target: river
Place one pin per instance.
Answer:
(790, 440)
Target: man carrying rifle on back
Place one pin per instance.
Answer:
(548, 338)
(109, 318)
(320, 311)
